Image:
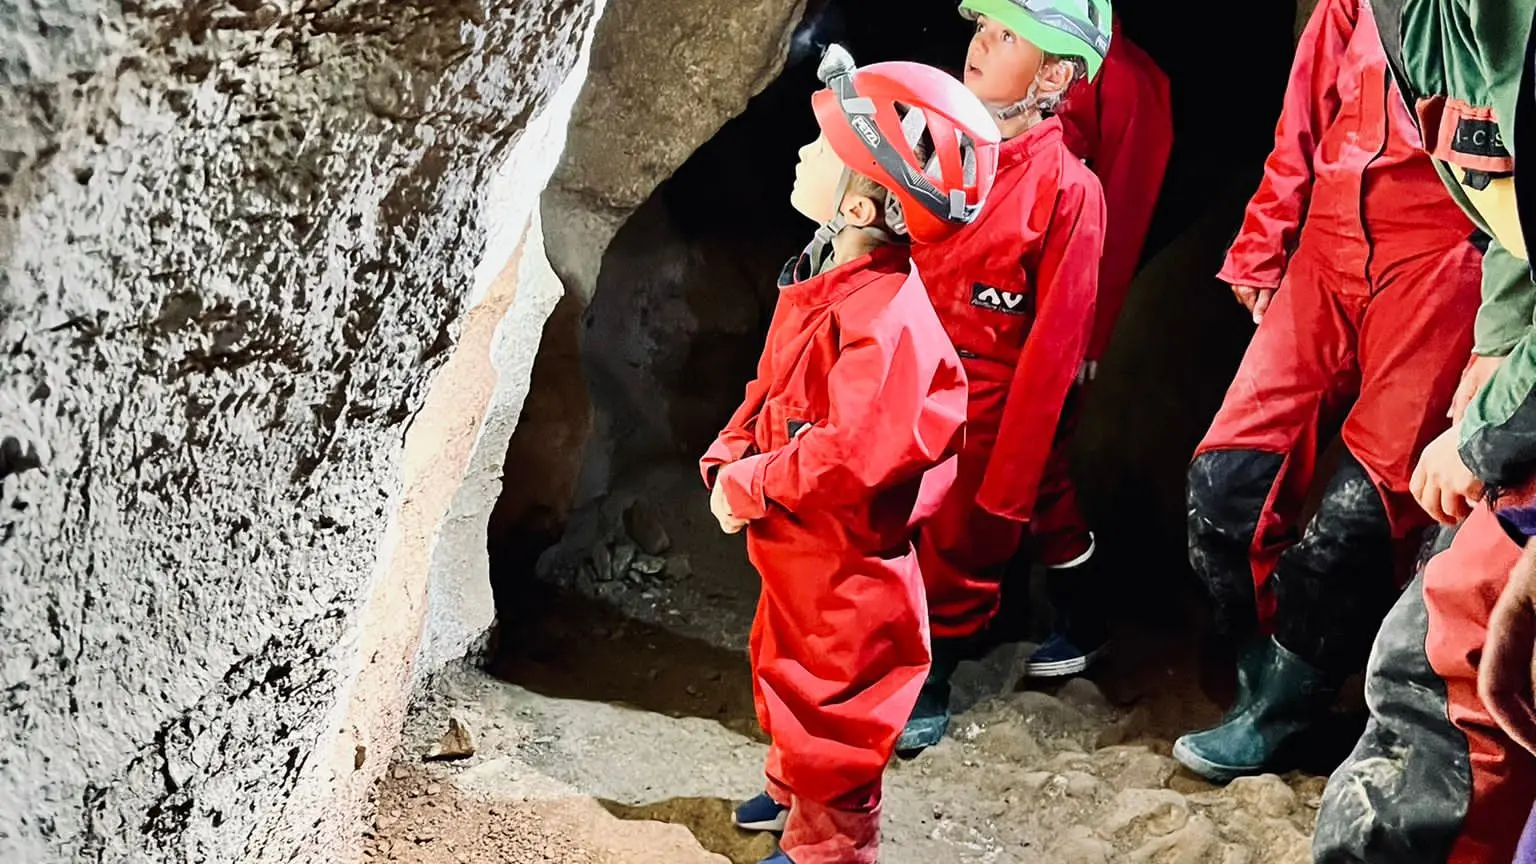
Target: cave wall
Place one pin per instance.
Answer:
(237, 241)
(665, 76)
(685, 287)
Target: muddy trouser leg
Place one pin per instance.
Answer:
(1333, 587)
(842, 833)
(845, 832)
(1337, 583)
(1433, 780)
(1252, 471)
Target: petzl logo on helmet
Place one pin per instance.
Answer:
(866, 130)
(1006, 302)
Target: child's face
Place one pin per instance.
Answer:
(816, 178)
(1000, 65)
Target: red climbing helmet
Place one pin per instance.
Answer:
(873, 116)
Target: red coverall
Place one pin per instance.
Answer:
(857, 394)
(1015, 291)
(1121, 124)
(1378, 285)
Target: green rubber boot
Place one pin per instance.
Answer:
(1252, 659)
(930, 716)
(1284, 695)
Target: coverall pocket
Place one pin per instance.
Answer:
(780, 422)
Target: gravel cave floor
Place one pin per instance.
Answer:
(616, 726)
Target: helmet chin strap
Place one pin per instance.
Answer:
(814, 260)
(1023, 106)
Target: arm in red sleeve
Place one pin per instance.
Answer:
(1136, 138)
(1273, 220)
(1067, 281)
(897, 407)
(737, 438)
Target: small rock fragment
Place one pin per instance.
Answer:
(602, 562)
(1009, 740)
(648, 565)
(1082, 850)
(1134, 767)
(1085, 696)
(643, 526)
(1069, 761)
(1157, 812)
(457, 743)
(623, 556)
(1265, 794)
(1190, 844)
(678, 566)
(1081, 784)
(359, 756)
(400, 772)
(1034, 781)
(434, 788)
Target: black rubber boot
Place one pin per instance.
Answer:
(1285, 695)
(930, 716)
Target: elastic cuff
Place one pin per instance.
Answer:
(743, 485)
(1500, 349)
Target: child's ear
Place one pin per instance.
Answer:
(860, 211)
(1054, 77)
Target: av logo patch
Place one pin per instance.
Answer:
(998, 300)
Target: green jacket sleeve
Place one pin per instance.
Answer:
(1498, 433)
(1509, 301)
(1509, 296)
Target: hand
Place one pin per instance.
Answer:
(1473, 378)
(1255, 300)
(721, 508)
(1504, 677)
(1442, 484)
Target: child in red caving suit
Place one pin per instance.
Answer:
(858, 393)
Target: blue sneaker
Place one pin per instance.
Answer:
(761, 814)
(777, 858)
(1060, 656)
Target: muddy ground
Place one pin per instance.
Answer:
(614, 723)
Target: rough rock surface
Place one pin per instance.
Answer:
(237, 238)
(665, 76)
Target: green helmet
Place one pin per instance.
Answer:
(1069, 28)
